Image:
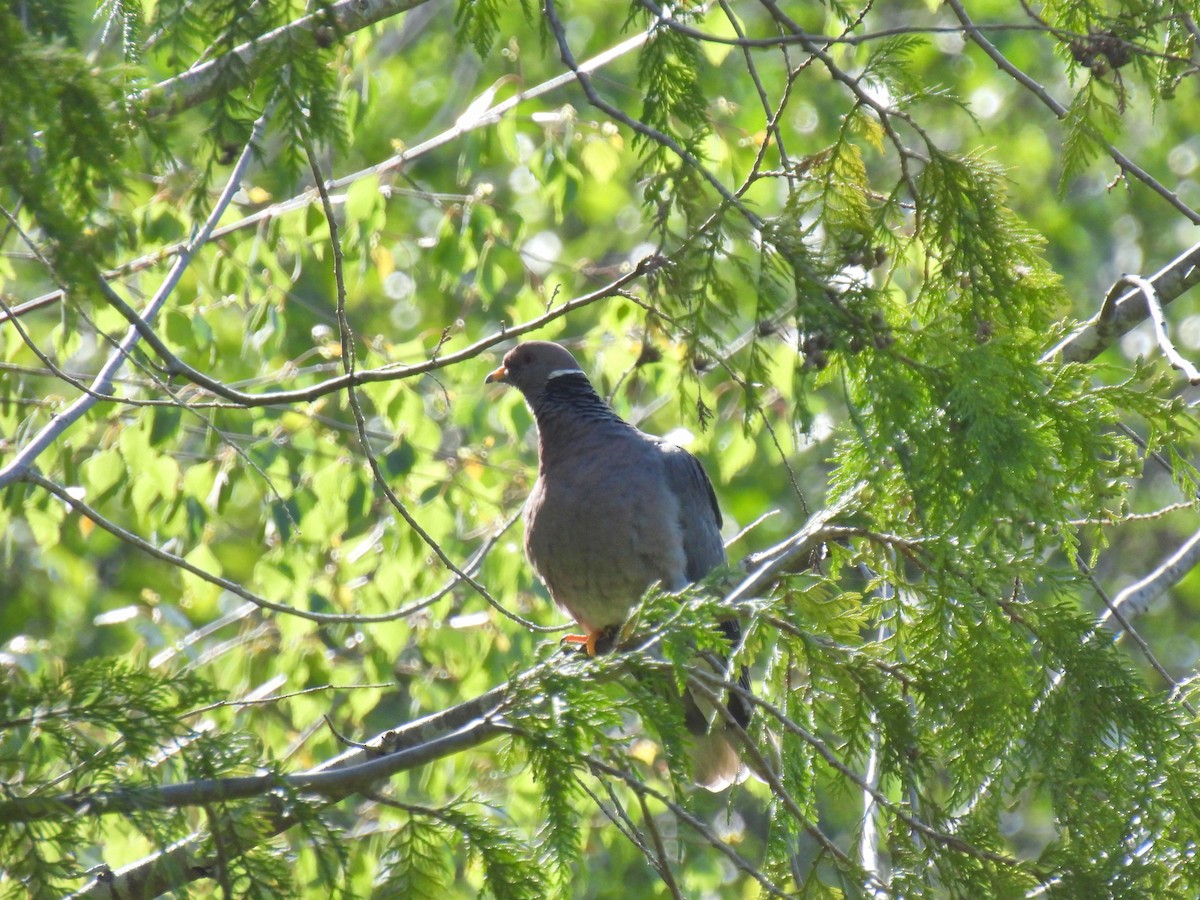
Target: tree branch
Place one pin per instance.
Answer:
(389, 372)
(1116, 317)
(1161, 333)
(206, 80)
(1126, 164)
(102, 383)
(407, 747)
(1135, 599)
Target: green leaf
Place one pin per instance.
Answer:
(164, 423)
(363, 199)
(46, 525)
(202, 591)
(101, 472)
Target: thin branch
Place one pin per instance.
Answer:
(1124, 162)
(1136, 599)
(134, 540)
(767, 566)
(346, 336)
(102, 383)
(660, 850)
(638, 126)
(1137, 517)
(864, 97)
(389, 372)
(1117, 317)
(600, 768)
(1126, 628)
(869, 849)
(21, 332)
(205, 81)
(276, 698)
(619, 817)
(406, 747)
(752, 71)
(867, 37)
(713, 686)
(1163, 336)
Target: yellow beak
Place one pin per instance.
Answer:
(500, 375)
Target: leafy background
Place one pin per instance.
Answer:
(831, 260)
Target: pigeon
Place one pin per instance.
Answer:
(613, 512)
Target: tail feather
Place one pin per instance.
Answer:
(715, 762)
(716, 758)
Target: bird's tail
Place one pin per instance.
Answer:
(716, 760)
(716, 763)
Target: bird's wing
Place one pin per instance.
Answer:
(699, 516)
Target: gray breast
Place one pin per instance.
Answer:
(601, 533)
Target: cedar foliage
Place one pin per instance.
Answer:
(855, 282)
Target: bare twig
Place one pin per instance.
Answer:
(638, 126)
(1015, 72)
(1162, 335)
(102, 383)
(1125, 629)
(390, 372)
(205, 81)
(1137, 517)
(619, 817)
(1117, 317)
(663, 864)
(1136, 599)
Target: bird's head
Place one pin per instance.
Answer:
(530, 366)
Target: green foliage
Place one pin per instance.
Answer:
(421, 857)
(93, 727)
(98, 711)
(415, 865)
(673, 102)
(64, 135)
(478, 21)
(834, 249)
(1091, 121)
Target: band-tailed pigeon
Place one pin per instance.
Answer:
(614, 511)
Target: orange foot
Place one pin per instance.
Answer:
(594, 642)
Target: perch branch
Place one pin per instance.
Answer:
(1117, 316)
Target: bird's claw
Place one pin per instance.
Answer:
(594, 643)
